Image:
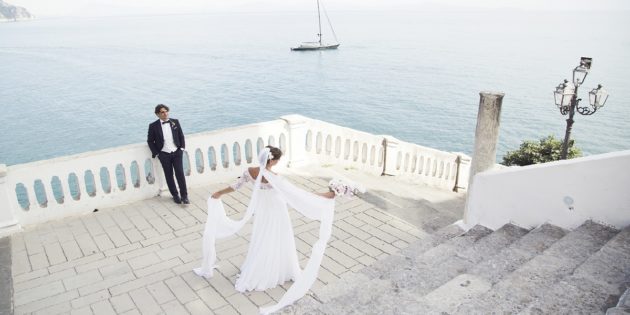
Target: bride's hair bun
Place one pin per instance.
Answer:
(275, 153)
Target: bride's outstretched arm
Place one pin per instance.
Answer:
(221, 192)
(328, 194)
(246, 177)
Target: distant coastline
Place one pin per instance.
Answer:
(11, 13)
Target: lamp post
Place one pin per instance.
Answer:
(567, 101)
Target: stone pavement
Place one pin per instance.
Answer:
(137, 258)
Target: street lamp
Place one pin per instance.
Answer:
(566, 99)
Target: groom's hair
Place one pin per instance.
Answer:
(277, 153)
(159, 108)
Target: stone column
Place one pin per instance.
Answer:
(8, 222)
(296, 146)
(486, 139)
(487, 133)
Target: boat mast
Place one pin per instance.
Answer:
(319, 20)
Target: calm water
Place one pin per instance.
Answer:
(74, 85)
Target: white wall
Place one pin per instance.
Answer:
(563, 193)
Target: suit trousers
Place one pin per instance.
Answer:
(173, 162)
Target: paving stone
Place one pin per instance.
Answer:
(20, 263)
(82, 279)
(161, 292)
(61, 308)
(242, 304)
(123, 249)
(140, 222)
(82, 311)
(71, 250)
(38, 293)
(138, 252)
(103, 242)
(122, 303)
(157, 239)
(38, 261)
(157, 267)
(144, 301)
(121, 220)
(171, 252)
(175, 308)
(93, 265)
(124, 287)
(212, 298)
(39, 304)
(181, 290)
(106, 284)
(87, 244)
(194, 282)
(198, 307)
(117, 236)
(103, 308)
(144, 261)
(23, 277)
(90, 299)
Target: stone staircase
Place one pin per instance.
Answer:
(547, 270)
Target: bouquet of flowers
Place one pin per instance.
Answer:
(345, 188)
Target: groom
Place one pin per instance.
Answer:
(166, 140)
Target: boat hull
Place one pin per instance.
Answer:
(318, 47)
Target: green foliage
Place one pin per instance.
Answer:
(545, 150)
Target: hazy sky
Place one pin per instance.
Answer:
(127, 7)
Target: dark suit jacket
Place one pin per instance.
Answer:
(155, 138)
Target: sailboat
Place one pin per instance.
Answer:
(319, 45)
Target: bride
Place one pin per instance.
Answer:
(272, 257)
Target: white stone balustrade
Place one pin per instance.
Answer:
(421, 164)
(36, 192)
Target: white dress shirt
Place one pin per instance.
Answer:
(169, 144)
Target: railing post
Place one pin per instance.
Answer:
(8, 222)
(296, 148)
(486, 139)
(390, 155)
(463, 172)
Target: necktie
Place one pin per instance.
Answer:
(166, 122)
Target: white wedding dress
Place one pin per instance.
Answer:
(271, 257)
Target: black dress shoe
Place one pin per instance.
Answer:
(177, 200)
(185, 200)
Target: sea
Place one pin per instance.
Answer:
(72, 85)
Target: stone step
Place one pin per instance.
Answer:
(597, 284)
(438, 256)
(512, 257)
(382, 295)
(430, 272)
(534, 278)
(350, 282)
(443, 281)
(406, 258)
(623, 305)
(480, 278)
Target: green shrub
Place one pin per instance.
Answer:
(545, 150)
